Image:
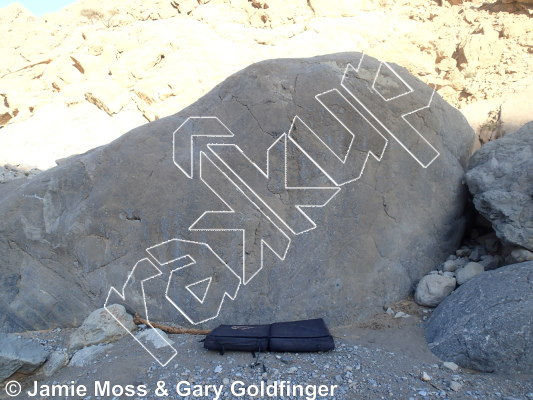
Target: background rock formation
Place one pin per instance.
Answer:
(101, 68)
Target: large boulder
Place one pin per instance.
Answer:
(499, 177)
(486, 323)
(72, 232)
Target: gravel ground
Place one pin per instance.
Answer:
(383, 358)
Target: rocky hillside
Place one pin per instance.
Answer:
(100, 68)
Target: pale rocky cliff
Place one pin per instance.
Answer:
(81, 77)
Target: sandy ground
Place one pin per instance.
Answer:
(382, 358)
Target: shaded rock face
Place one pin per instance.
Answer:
(500, 179)
(72, 232)
(486, 323)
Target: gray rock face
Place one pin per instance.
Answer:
(432, 289)
(486, 323)
(72, 232)
(500, 179)
(87, 355)
(101, 328)
(56, 361)
(468, 272)
(19, 355)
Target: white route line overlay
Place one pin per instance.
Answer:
(231, 211)
(266, 175)
(377, 157)
(123, 297)
(188, 287)
(403, 115)
(190, 174)
(226, 294)
(411, 90)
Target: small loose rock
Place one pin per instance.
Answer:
(455, 386)
(450, 365)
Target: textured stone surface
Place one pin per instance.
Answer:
(74, 231)
(87, 355)
(521, 255)
(57, 360)
(450, 365)
(468, 272)
(101, 328)
(481, 49)
(432, 289)
(490, 262)
(516, 110)
(486, 323)
(19, 355)
(478, 115)
(500, 179)
(449, 266)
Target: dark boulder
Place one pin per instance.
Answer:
(486, 324)
(500, 178)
